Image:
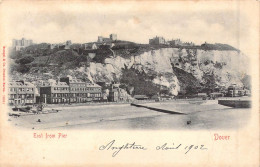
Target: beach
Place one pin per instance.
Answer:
(195, 116)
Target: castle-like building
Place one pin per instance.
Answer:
(112, 37)
(157, 41)
(22, 43)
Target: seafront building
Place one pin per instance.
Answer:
(54, 93)
(63, 91)
(81, 92)
(21, 93)
(70, 91)
(94, 92)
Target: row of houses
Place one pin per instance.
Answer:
(21, 92)
(66, 90)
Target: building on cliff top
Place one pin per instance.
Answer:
(18, 44)
(157, 41)
(112, 37)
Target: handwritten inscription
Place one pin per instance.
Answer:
(164, 147)
(116, 149)
(188, 148)
(49, 135)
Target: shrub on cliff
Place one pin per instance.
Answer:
(140, 81)
(25, 60)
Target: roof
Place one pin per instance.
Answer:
(93, 85)
(76, 81)
(59, 84)
(20, 84)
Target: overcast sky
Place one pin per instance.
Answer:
(137, 22)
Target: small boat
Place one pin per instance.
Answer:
(22, 108)
(236, 103)
(16, 114)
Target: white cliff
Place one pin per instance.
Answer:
(227, 66)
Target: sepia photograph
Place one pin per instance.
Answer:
(148, 76)
(131, 66)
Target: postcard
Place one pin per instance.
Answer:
(129, 83)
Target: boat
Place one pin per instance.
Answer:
(22, 108)
(16, 114)
(236, 103)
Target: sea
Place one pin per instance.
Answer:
(191, 115)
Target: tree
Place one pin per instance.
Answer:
(139, 80)
(21, 68)
(191, 90)
(25, 60)
(209, 81)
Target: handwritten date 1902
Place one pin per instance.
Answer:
(115, 148)
(166, 147)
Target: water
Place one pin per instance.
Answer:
(208, 115)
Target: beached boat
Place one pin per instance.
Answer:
(16, 114)
(236, 103)
(22, 108)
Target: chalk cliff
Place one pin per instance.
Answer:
(227, 67)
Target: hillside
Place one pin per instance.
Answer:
(160, 65)
(217, 46)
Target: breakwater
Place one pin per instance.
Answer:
(157, 109)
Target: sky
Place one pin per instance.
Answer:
(132, 21)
